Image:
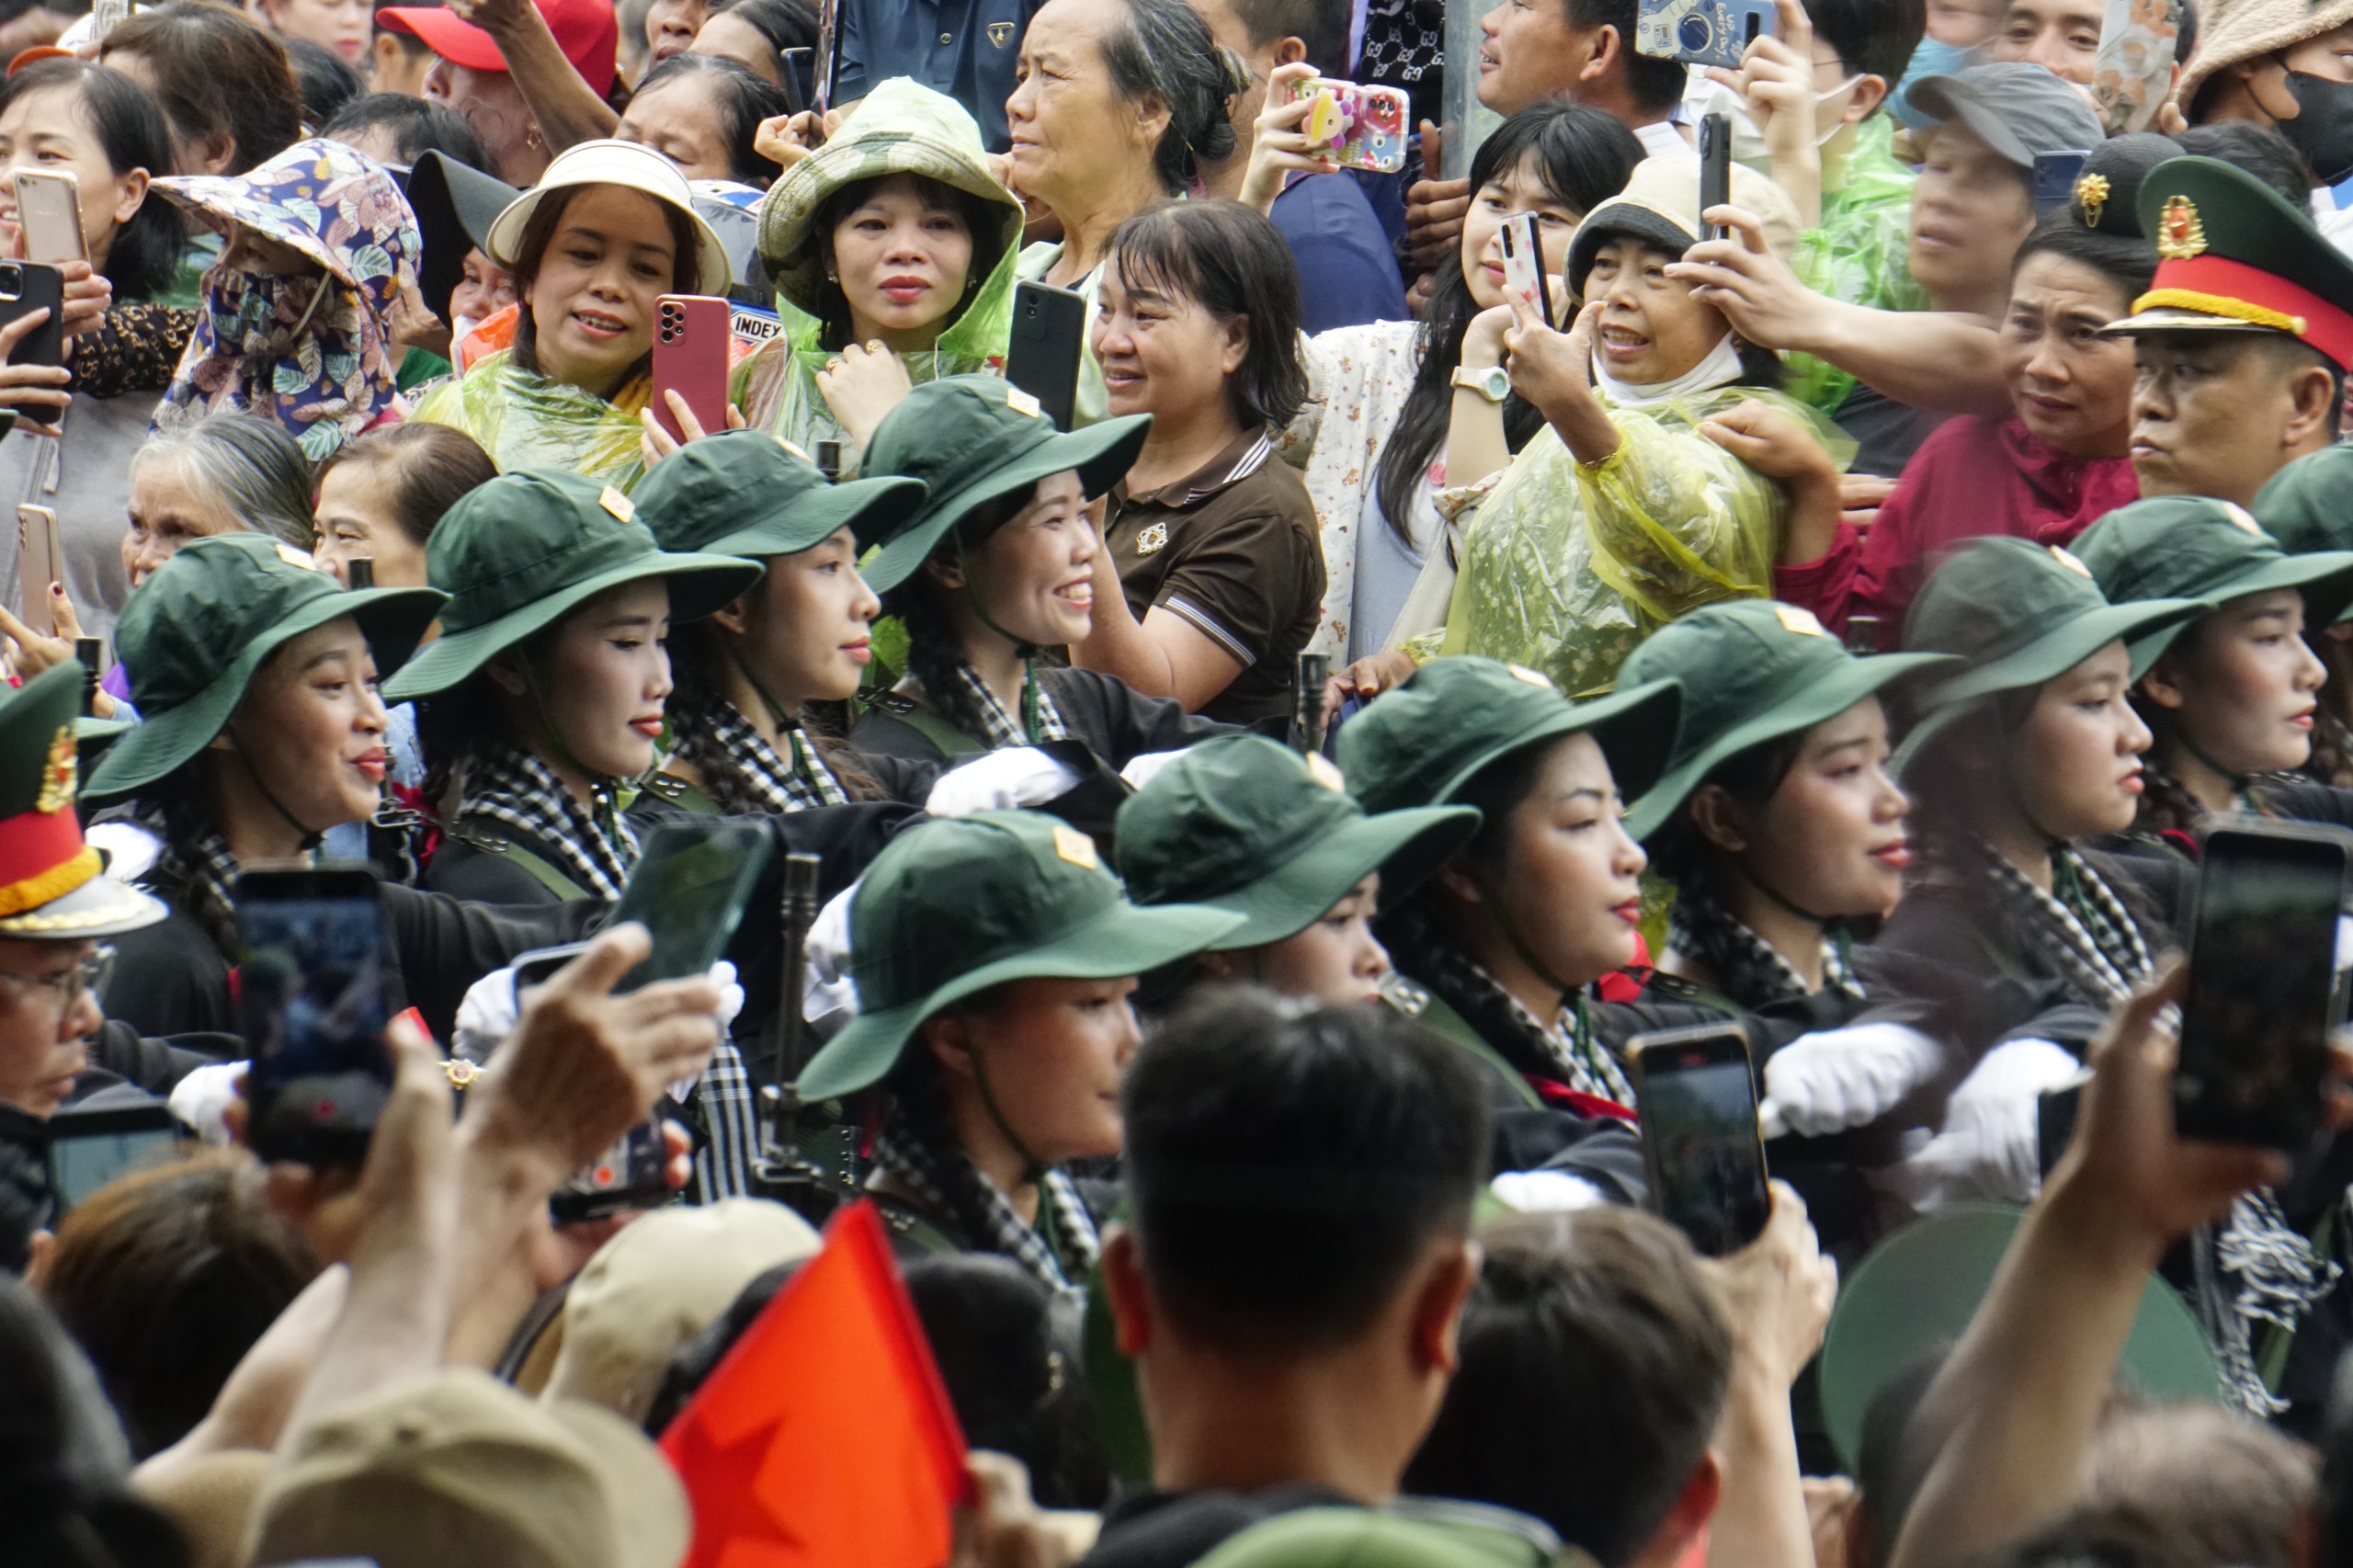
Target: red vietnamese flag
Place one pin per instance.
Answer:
(826, 1438)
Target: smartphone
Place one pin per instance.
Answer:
(691, 339)
(1049, 335)
(39, 563)
(828, 458)
(2055, 174)
(2256, 1018)
(1703, 32)
(1715, 169)
(49, 210)
(2132, 73)
(1700, 1139)
(315, 956)
(93, 1146)
(792, 64)
(688, 892)
(1862, 634)
(632, 1173)
(1524, 262)
(27, 286)
(1356, 127)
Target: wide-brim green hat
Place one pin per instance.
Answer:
(167, 611)
(2302, 507)
(1918, 1290)
(744, 493)
(2193, 546)
(2062, 648)
(864, 506)
(975, 439)
(1405, 847)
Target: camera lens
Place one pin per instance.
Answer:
(1694, 31)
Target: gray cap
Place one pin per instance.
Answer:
(2019, 110)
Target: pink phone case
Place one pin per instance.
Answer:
(1358, 127)
(690, 343)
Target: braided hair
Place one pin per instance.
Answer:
(918, 1111)
(933, 648)
(698, 655)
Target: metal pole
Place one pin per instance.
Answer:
(1468, 123)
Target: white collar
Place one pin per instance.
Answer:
(1721, 368)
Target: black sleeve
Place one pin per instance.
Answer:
(169, 980)
(156, 1065)
(1120, 723)
(877, 736)
(445, 944)
(481, 876)
(1601, 1149)
(25, 1202)
(1931, 969)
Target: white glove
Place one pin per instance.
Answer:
(1144, 767)
(130, 850)
(1990, 1143)
(201, 1100)
(1546, 1192)
(1840, 1078)
(1017, 776)
(487, 1015)
(829, 991)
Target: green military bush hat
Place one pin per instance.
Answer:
(1244, 823)
(1409, 1533)
(745, 493)
(959, 904)
(2192, 546)
(2017, 614)
(53, 886)
(195, 633)
(975, 439)
(521, 552)
(1752, 671)
(1420, 743)
(2308, 504)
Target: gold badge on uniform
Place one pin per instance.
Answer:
(1075, 847)
(1800, 622)
(1320, 769)
(2181, 234)
(58, 774)
(2091, 194)
(1152, 540)
(2067, 558)
(619, 504)
(1533, 677)
(1000, 34)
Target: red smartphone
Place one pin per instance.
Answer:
(691, 339)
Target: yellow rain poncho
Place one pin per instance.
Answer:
(524, 420)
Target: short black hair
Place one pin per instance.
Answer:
(414, 126)
(1286, 1170)
(1872, 36)
(2130, 263)
(1162, 48)
(1593, 1363)
(324, 82)
(2289, 355)
(1651, 84)
(2259, 150)
(1232, 261)
(1321, 24)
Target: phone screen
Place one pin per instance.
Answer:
(2256, 1018)
(688, 892)
(1699, 1133)
(2055, 174)
(311, 1004)
(81, 1162)
(632, 1173)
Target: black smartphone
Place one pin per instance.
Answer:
(632, 1173)
(1862, 634)
(1715, 169)
(795, 65)
(689, 892)
(90, 1146)
(2255, 1017)
(314, 957)
(1048, 336)
(1700, 1139)
(2055, 174)
(27, 286)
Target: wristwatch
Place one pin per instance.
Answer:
(1493, 384)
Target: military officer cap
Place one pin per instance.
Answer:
(53, 887)
(2232, 255)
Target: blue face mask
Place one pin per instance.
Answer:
(1931, 59)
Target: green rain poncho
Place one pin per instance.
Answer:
(525, 420)
(900, 128)
(1566, 567)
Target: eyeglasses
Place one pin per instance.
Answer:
(66, 987)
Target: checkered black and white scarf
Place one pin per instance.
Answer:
(1749, 970)
(780, 786)
(1004, 728)
(510, 789)
(2080, 928)
(1566, 1044)
(1062, 1252)
(731, 1127)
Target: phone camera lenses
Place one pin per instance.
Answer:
(1694, 32)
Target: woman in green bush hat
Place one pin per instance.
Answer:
(1244, 823)
(2302, 507)
(543, 698)
(255, 675)
(2234, 698)
(996, 568)
(994, 956)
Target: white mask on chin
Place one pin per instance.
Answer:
(1845, 92)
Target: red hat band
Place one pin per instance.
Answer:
(2216, 286)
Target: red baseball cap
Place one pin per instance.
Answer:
(585, 30)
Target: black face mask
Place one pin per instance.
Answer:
(2322, 129)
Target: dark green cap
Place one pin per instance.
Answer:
(2191, 547)
(196, 631)
(975, 439)
(1244, 824)
(1752, 671)
(2018, 614)
(745, 493)
(1420, 743)
(2308, 504)
(958, 905)
(521, 552)
(1410, 1533)
(53, 886)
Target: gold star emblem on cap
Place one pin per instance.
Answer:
(619, 504)
(1075, 847)
(2091, 194)
(2181, 234)
(58, 774)
(1533, 677)
(1022, 403)
(1801, 621)
(2068, 559)
(1320, 769)
(2242, 519)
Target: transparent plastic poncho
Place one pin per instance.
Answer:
(525, 420)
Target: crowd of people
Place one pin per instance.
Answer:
(1260, 793)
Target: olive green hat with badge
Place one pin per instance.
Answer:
(1244, 823)
(744, 493)
(975, 439)
(194, 635)
(1419, 745)
(959, 904)
(521, 552)
(2303, 506)
(53, 886)
(1752, 671)
(2192, 546)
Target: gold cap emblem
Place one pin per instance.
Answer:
(1075, 847)
(619, 504)
(2180, 234)
(2242, 519)
(1533, 677)
(59, 773)
(2067, 558)
(1800, 622)
(1022, 403)
(1320, 769)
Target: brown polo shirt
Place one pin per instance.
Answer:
(1233, 550)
